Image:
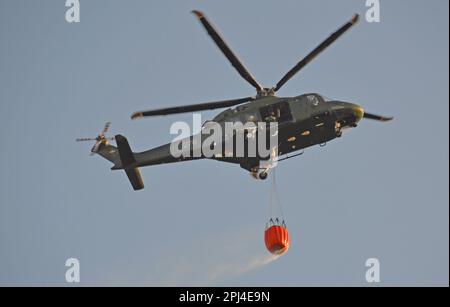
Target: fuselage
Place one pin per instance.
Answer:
(303, 121)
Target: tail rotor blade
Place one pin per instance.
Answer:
(85, 139)
(105, 129)
(94, 148)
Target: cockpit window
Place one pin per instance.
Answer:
(313, 99)
(326, 99)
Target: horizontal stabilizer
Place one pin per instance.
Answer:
(134, 175)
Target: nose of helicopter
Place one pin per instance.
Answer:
(349, 113)
(358, 111)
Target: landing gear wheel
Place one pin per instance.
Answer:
(263, 175)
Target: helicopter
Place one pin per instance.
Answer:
(303, 121)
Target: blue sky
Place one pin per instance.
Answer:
(380, 191)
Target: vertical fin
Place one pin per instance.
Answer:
(127, 159)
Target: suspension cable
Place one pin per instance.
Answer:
(275, 202)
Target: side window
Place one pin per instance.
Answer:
(285, 112)
(280, 112)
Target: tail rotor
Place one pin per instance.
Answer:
(101, 139)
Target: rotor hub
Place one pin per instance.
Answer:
(265, 92)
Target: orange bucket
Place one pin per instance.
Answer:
(277, 239)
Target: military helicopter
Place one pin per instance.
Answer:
(303, 121)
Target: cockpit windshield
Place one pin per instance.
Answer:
(316, 99)
(326, 99)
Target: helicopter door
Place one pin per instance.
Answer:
(323, 127)
(277, 112)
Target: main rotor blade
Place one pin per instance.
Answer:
(192, 108)
(227, 51)
(331, 39)
(377, 117)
